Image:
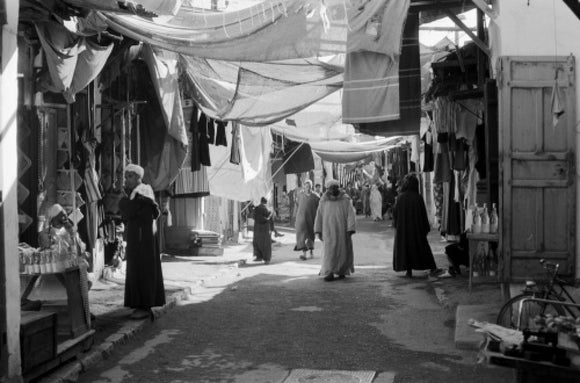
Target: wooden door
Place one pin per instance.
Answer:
(537, 174)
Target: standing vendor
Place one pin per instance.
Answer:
(144, 287)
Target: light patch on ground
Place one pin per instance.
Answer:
(435, 366)
(309, 309)
(262, 373)
(404, 326)
(117, 374)
(209, 359)
(328, 376)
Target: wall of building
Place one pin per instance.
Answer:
(9, 275)
(540, 28)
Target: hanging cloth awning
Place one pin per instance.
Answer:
(272, 29)
(345, 152)
(257, 94)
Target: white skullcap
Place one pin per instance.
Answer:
(55, 210)
(331, 182)
(135, 169)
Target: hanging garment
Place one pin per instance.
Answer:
(408, 121)
(297, 157)
(204, 157)
(211, 131)
(220, 138)
(428, 160)
(227, 179)
(192, 183)
(235, 151)
(480, 165)
(195, 138)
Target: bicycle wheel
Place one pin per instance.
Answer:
(510, 312)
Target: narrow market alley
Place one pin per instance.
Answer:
(282, 323)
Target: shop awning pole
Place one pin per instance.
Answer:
(70, 166)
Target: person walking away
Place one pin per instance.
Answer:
(366, 200)
(411, 250)
(144, 287)
(262, 242)
(335, 224)
(376, 202)
(306, 206)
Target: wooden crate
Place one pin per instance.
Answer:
(37, 338)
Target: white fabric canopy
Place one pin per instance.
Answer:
(345, 152)
(272, 29)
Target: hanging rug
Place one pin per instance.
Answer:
(329, 376)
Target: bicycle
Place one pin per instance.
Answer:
(520, 311)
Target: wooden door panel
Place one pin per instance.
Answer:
(555, 139)
(538, 196)
(540, 170)
(525, 203)
(525, 269)
(523, 122)
(555, 228)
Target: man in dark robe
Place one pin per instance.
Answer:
(262, 242)
(411, 250)
(144, 281)
(306, 206)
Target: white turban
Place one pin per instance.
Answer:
(135, 169)
(55, 210)
(331, 182)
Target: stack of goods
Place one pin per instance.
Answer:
(205, 242)
(46, 261)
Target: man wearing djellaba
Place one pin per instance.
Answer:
(335, 224)
(144, 286)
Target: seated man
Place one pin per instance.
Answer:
(457, 255)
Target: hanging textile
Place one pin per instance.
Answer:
(210, 131)
(235, 151)
(255, 143)
(428, 160)
(257, 94)
(371, 83)
(408, 121)
(192, 183)
(164, 162)
(272, 29)
(371, 88)
(194, 145)
(220, 138)
(227, 180)
(73, 61)
(297, 157)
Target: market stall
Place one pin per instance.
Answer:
(546, 349)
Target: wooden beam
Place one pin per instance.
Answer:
(485, 8)
(430, 5)
(574, 6)
(467, 30)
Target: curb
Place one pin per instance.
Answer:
(70, 372)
